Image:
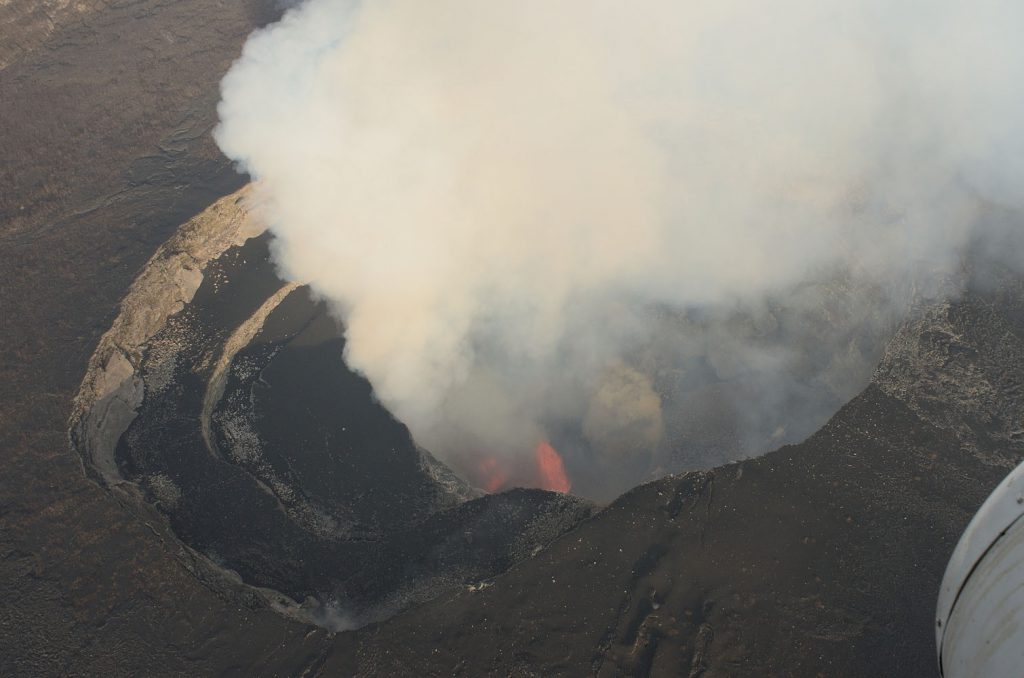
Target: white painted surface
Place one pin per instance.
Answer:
(980, 615)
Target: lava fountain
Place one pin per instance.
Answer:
(550, 469)
(495, 474)
(494, 477)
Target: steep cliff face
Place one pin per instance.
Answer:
(112, 389)
(960, 367)
(219, 397)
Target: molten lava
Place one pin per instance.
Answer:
(550, 469)
(494, 476)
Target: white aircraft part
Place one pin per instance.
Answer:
(980, 615)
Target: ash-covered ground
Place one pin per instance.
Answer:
(821, 558)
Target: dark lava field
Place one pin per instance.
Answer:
(261, 514)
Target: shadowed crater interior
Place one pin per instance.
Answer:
(272, 460)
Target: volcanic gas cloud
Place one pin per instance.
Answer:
(572, 221)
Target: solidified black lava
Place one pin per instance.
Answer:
(304, 483)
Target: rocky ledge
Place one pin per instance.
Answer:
(218, 400)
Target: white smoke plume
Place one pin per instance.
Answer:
(585, 217)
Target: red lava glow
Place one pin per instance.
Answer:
(550, 469)
(494, 476)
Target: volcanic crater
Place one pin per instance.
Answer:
(219, 399)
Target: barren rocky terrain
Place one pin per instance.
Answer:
(818, 559)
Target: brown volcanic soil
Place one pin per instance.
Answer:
(820, 559)
(105, 150)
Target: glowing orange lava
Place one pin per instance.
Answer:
(494, 476)
(550, 469)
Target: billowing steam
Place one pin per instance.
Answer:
(658, 234)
